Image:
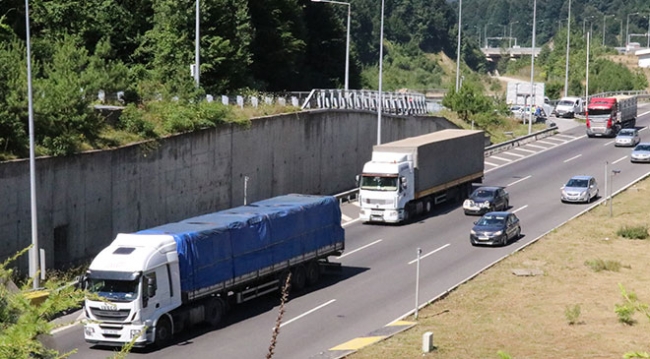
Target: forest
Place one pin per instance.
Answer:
(145, 49)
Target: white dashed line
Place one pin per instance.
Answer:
(608, 143)
(619, 160)
(572, 158)
(519, 180)
(519, 209)
(360, 248)
(306, 313)
(501, 158)
(430, 253)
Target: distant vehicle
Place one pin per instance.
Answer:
(627, 137)
(606, 116)
(568, 107)
(495, 228)
(580, 189)
(487, 199)
(641, 153)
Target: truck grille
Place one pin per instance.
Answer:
(381, 202)
(110, 315)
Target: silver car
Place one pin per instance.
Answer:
(627, 137)
(641, 153)
(580, 189)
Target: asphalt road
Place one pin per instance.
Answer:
(377, 285)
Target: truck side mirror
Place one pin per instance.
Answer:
(358, 179)
(403, 182)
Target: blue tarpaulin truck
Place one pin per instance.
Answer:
(156, 282)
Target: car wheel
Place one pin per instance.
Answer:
(518, 234)
(506, 205)
(505, 240)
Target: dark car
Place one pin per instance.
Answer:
(487, 199)
(495, 228)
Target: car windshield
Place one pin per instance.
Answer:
(575, 182)
(482, 194)
(642, 148)
(115, 290)
(626, 133)
(491, 220)
(378, 183)
(565, 103)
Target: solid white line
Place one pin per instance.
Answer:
(572, 158)
(519, 180)
(360, 248)
(513, 154)
(619, 160)
(501, 158)
(345, 218)
(430, 253)
(78, 320)
(546, 143)
(350, 222)
(645, 128)
(533, 146)
(491, 164)
(306, 313)
(525, 150)
(609, 143)
(519, 209)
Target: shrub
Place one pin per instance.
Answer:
(132, 120)
(633, 232)
(598, 265)
(572, 313)
(625, 313)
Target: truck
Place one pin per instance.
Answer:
(150, 285)
(519, 93)
(408, 177)
(568, 107)
(605, 116)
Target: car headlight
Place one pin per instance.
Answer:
(472, 231)
(498, 233)
(467, 203)
(485, 204)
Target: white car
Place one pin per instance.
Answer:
(627, 137)
(579, 189)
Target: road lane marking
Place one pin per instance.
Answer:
(513, 154)
(561, 141)
(619, 160)
(534, 146)
(519, 180)
(572, 158)
(546, 143)
(345, 218)
(567, 136)
(350, 222)
(491, 164)
(306, 313)
(519, 209)
(501, 158)
(360, 248)
(608, 143)
(525, 150)
(430, 253)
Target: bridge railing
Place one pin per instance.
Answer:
(392, 102)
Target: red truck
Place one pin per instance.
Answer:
(605, 116)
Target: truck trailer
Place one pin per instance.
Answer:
(408, 177)
(605, 116)
(147, 286)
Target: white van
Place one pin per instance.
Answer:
(569, 106)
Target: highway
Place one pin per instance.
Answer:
(377, 285)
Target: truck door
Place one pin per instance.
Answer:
(155, 293)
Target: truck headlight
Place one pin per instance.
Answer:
(90, 331)
(135, 333)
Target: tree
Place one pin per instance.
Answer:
(467, 101)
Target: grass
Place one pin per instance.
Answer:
(571, 311)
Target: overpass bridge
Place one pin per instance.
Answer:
(496, 53)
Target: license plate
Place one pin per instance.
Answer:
(483, 238)
(377, 213)
(109, 331)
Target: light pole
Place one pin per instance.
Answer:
(647, 35)
(568, 46)
(510, 34)
(627, 29)
(532, 70)
(584, 23)
(34, 251)
(381, 60)
(347, 41)
(611, 190)
(197, 44)
(485, 34)
(605, 25)
(587, 71)
(460, 12)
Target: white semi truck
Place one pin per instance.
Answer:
(152, 284)
(408, 177)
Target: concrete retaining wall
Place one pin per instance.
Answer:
(85, 200)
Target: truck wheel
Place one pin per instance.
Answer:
(313, 273)
(163, 332)
(214, 311)
(299, 277)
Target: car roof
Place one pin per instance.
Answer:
(491, 188)
(498, 213)
(582, 177)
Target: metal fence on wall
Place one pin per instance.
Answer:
(392, 102)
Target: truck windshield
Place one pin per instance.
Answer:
(115, 290)
(378, 183)
(599, 112)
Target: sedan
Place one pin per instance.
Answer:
(627, 137)
(579, 189)
(495, 228)
(641, 153)
(486, 199)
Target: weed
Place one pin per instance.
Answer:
(598, 265)
(625, 313)
(572, 313)
(633, 232)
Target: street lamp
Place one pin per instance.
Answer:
(627, 29)
(532, 70)
(347, 41)
(460, 12)
(381, 60)
(197, 44)
(584, 22)
(510, 34)
(605, 25)
(568, 46)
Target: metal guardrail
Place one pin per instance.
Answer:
(352, 194)
(402, 103)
